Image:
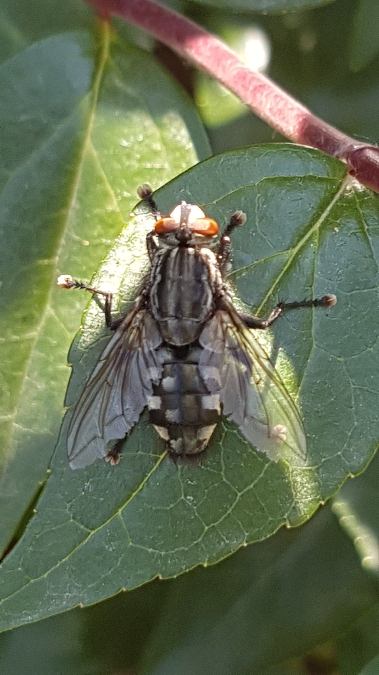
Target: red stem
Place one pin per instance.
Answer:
(268, 101)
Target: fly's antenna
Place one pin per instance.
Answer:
(145, 193)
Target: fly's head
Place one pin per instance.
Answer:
(186, 225)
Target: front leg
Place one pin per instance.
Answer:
(146, 194)
(151, 245)
(224, 249)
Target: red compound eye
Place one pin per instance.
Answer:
(165, 225)
(187, 216)
(206, 226)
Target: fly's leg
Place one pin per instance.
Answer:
(255, 322)
(223, 254)
(224, 249)
(151, 245)
(114, 455)
(146, 194)
(66, 282)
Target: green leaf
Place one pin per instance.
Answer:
(25, 650)
(84, 120)
(102, 529)
(372, 668)
(358, 645)
(264, 6)
(23, 23)
(364, 39)
(80, 642)
(275, 601)
(356, 506)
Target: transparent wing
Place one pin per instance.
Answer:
(251, 391)
(117, 390)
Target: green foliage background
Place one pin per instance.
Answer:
(86, 116)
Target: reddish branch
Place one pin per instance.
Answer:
(264, 97)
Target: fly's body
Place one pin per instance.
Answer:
(185, 283)
(185, 352)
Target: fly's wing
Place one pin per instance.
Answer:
(252, 393)
(117, 390)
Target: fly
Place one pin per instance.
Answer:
(186, 353)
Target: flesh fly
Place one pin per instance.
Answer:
(186, 353)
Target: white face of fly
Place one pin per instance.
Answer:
(186, 213)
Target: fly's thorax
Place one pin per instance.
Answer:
(185, 281)
(182, 409)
